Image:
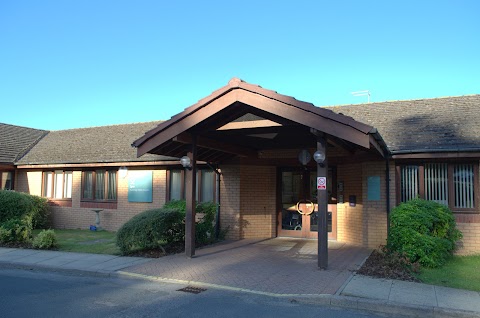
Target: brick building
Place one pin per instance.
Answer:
(262, 144)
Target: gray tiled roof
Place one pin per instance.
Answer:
(91, 145)
(423, 125)
(16, 140)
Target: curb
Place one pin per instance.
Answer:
(81, 272)
(356, 303)
(389, 307)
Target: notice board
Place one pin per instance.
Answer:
(140, 184)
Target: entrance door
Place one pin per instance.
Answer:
(298, 215)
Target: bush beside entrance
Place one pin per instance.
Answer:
(424, 231)
(159, 228)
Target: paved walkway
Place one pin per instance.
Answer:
(284, 266)
(280, 267)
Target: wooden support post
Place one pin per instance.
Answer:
(190, 192)
(322, 200)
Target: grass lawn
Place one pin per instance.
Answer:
(459, 272)
(86, 241)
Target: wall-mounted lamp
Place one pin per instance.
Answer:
(319, 157)
(304, 157)
(122, 172)
(186, 163)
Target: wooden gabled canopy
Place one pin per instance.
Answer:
(240, 119)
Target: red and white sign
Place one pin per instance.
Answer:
(321, 183)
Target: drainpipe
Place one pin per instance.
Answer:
(387, 180)
(217, 200)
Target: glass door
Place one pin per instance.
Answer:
(298, 215)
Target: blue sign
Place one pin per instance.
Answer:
(373, 188)
(140, 184)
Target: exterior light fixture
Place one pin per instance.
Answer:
(186, 163)
(122, 172)
(304, 157)
(319, 157)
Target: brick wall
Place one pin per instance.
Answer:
(349, 219)
(258, 201)
(366, 223)
(110, 219)
(230, 201)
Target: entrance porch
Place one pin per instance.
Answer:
(249, 135)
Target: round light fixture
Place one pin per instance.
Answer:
(185, 162)
(319, 157)
(304, 157)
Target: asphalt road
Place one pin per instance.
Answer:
(34, 293)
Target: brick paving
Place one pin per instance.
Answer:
(279, 266)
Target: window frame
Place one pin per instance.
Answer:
(105, 187)
(12, 176)
(450, 183)
(52, 189)
(198, 194)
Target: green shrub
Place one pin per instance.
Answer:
(205, 228)
(40, 212)
(424, 231)
(158, 227)
(19, 205)
(151, 229)
(15, 230)
(46, 239)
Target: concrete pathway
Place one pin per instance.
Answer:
(93, 263)
(398, 292)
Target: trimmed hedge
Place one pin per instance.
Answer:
(156, 228)
(151, 229)
(33, 210)
(20, 213)
(424, 231)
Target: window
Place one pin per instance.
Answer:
(99, 185)
(205, 185)
(6, 181)
(450, 184)
(57, 184)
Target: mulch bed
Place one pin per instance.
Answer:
(380, 265)
(158, 252)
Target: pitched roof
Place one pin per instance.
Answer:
(423, 125)
(91, 145)
(239, 98)
(15, 141)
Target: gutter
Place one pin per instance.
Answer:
(412, 151)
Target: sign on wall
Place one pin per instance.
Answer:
(140, 184)
(373, 188)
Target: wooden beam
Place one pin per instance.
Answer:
(306, 118)
(190, 191)
(375, 144)
(217, 145)
(322, 201)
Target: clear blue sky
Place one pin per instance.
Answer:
(67, 64)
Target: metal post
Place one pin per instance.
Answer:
(322, 200)
(190, 191)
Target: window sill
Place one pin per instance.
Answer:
(60, 202)
(99, 204)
